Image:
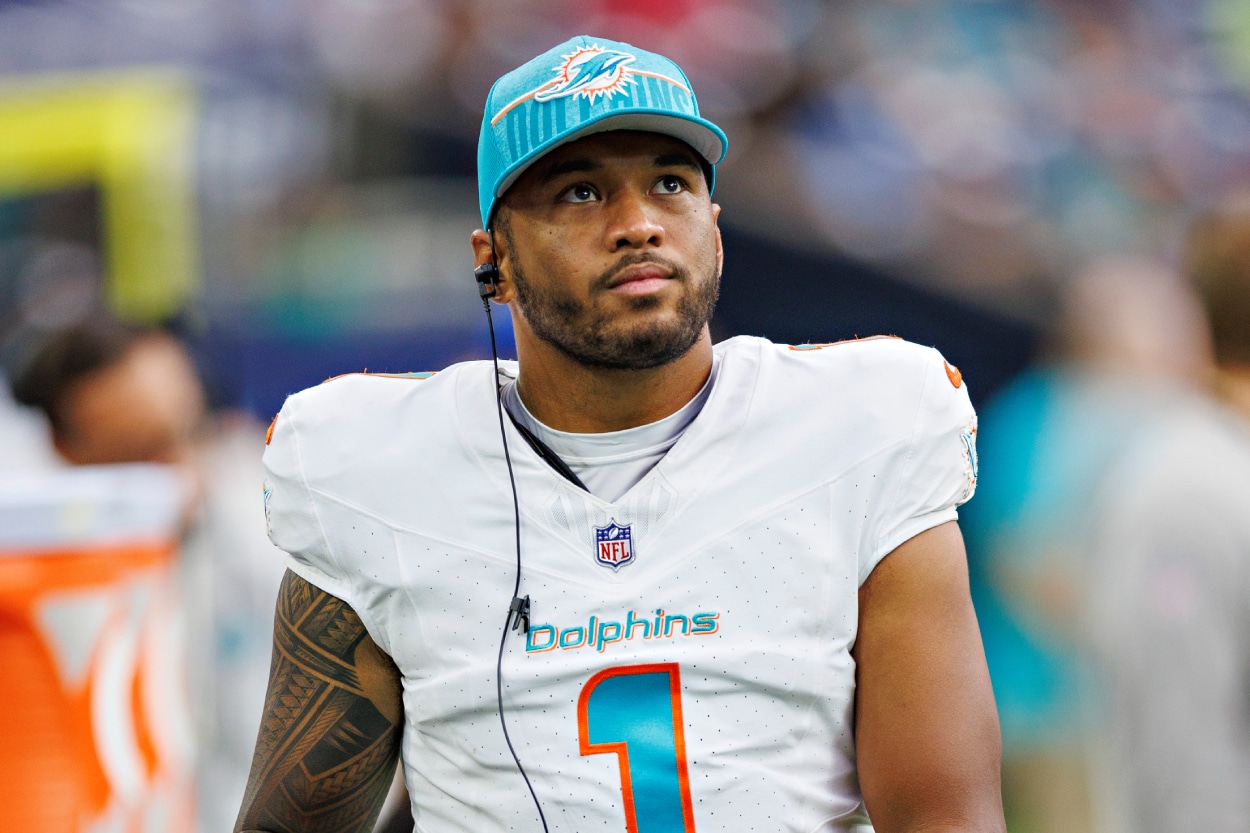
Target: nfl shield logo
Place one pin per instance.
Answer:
(614, 545)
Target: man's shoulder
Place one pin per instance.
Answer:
(859, 367)
(366, 438)
(372, 419)
(352, 398)
(852, 396)
(876, 351)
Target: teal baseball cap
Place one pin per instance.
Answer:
(585, 85)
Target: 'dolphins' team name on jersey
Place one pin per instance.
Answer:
(600, 633)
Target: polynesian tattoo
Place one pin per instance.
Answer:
(329, 739)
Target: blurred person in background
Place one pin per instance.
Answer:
(1129, 334)
(113, 393)
(1169, 601)
(119, 393)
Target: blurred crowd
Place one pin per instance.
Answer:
(1078, 166)
(987, 147)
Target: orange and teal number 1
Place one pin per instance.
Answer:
(634, 711)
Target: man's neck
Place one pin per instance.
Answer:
(566, 395)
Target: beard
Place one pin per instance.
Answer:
(596, 338)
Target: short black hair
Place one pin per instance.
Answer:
(66, 357)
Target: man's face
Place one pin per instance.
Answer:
(145, 408)
(611, 247)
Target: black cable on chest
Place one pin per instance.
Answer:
(519, 609)
(549, 457)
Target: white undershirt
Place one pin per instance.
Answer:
(609, 464)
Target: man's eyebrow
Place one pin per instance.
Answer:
(677, 160)
(576, 165)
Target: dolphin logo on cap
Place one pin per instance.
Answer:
(589, 71)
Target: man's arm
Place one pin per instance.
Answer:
(329, 737)
(926, 730)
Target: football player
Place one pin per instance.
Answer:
(690, 588)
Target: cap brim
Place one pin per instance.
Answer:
(706, 138)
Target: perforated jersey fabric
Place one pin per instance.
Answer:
(705, 683)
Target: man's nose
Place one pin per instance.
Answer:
(633, 222)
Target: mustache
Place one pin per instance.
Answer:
(602, 280)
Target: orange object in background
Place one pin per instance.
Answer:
(94, 726)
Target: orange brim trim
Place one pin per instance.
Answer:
(521, 100)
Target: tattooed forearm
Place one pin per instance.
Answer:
(330, 734)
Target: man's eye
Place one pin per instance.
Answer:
(579, 193)
(670, 185)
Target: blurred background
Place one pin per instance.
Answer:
(284, 190)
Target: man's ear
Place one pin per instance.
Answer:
(720, 248)
(484, 253)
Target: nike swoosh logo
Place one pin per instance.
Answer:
(953, 374)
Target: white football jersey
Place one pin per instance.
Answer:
(688, 663)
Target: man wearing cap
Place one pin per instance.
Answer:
(731, 591)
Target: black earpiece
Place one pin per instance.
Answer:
(487, 275)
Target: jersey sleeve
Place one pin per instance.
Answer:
(295, 525)
(935, 470)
